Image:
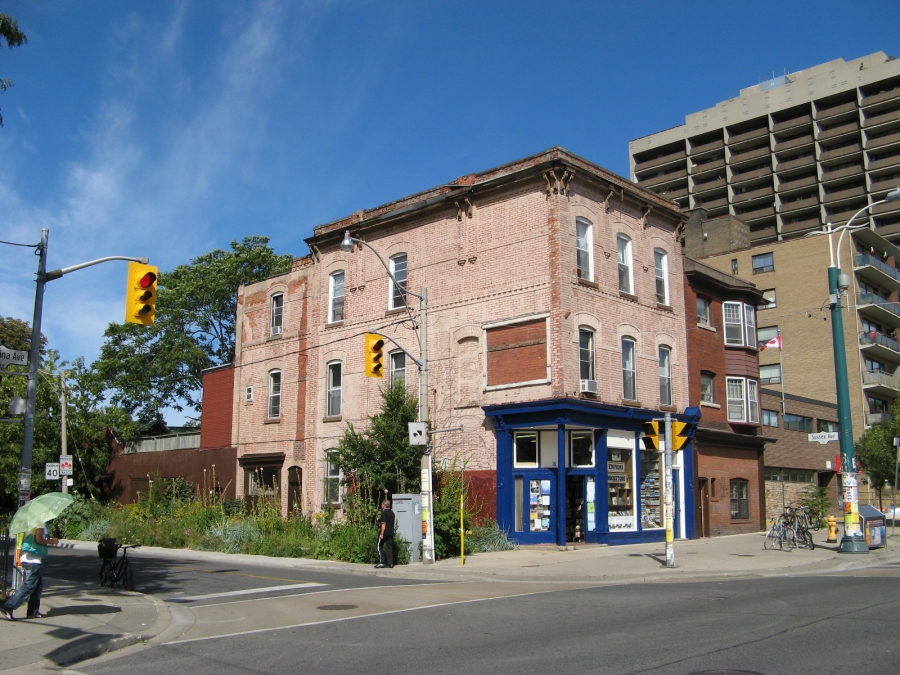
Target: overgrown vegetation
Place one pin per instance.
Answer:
(818, 500)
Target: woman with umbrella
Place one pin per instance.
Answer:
(32, 518)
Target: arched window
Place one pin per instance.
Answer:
(274, 408)
(397, 297)
(586, 353)
(629, 369)
(626, 274)
(336, 296)
(276, 325)
(661, 262)
(584, 245)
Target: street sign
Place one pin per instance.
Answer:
(70, 482)
(417, 435)
(11, 357)
(65, 465)
(51, 471)
(824, 437)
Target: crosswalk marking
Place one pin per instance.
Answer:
(246, 591)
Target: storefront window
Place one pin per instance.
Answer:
(582, 443)
(620, 472)
(539, 505)
(651, 496)
(526, 450)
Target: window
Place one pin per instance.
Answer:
(584, 243)
(333, 405)
(870, 327)
(582, 448)
(277, 314)
(629, 370)
(740, 504)
(398, 290)
(824, 426)
(526, 449)
(248, 395)
(274, 394)
(743, 400)
(798, 423)
(332, 480)
(877, 405)
(586, 353)
(790, 475)
(768, 300)
(398, 368)
(767, 333)
(770, 418)
(626, 278)
(874, 366)
(734, 327)
(707, 387)
(703, 312)
(770, 374)
(734, 266)
(665, 377)
(336, 297)
(764, 262)
(661, 261)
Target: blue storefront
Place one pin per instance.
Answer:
(573, 470)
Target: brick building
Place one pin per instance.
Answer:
(723, 374)
(556, 328)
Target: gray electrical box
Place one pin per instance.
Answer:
(409, 522)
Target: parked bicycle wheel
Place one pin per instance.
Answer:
(770, 543)
(789, 539)
(807, 536)
(107, 574)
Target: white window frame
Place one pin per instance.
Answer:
(333, 402)
(750, 326)
(333, 289)
(625, 262)
(665, 375)
(332, 473)
(397, 298)
(580, 433)
(712, 387)
(398, 372)
(739, 320)
(248, 394)
(629, 371)
(661, 264)
(742, 396)
(585, 331)
(584, 248)
(537, 454)
(704, 318)
(273, 408)
(276, 314)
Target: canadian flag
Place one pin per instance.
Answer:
(774, 342)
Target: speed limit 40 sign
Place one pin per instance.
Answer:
(51, 471)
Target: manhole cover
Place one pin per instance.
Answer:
(337, 607)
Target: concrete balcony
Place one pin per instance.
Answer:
(670, 158)
(875, 418)
(738, 178)
(703, 148)
(748, 135)
(883, 185)
(672, 192)
(841, 195)
(792, 185)
(713, 203)
(845, 151)
(879, 346)
(884, 118)
(811, 223)
(881, 98)
(837, 132)
(800, 142)
(792, 163)
(875, 270)
(742, 197)
(792, 123)
(766, 211)
(799, 205)
(881, 383)
(744, 157)
(883, 141)
(671, 177)
(835, 110)
(839, 174)
(700, 169)
(884, 163)
(880, 310)
(709, 186)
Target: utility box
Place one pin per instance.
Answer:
(409, 522)
(873, 525)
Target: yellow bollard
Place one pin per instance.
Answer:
(462, 529)
(832, 529)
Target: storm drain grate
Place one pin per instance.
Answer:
(337, 607)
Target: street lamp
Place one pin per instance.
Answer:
(427, 467)
(853, 540)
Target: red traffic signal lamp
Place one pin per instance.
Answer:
(140, 295)
(374, 355)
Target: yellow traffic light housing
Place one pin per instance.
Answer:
(651, 436)
(374, 355)
(140, 296)
(680, 432)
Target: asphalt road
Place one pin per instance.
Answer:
(844, 623)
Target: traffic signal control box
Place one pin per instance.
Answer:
(140, 296)
(374, 355)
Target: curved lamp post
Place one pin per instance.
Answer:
(346, 245)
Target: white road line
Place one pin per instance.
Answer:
(246, 591)
(175, 643)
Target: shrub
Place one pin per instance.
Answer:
(490, 537)
(82, 513)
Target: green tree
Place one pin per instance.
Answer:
(9, 31)
(146, 369)
(876, 453)
(381, 456)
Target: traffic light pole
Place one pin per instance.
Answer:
(669, 500)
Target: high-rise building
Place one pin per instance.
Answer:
(787, 154)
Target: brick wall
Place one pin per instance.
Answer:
(215, 418)
(517, 353)
(720, 464)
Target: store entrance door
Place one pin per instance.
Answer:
(575, 509)
(704, 507)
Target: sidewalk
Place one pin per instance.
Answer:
(86, 621)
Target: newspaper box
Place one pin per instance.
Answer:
(873, 525)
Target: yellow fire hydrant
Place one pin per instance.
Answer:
(832, 529)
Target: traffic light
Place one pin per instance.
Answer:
(651, 435)
(680, 436)
(374, 355)
(140, 297)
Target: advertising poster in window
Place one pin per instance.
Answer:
(540, 510)
(620, 479)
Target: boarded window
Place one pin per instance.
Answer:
(517, 353)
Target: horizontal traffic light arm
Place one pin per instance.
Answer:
(56, 274)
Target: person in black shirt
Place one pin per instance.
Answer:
(386, 536)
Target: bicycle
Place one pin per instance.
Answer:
(115, 570)
(780, 535)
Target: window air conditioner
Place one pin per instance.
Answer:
(589, 386)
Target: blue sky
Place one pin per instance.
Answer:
(169, 128)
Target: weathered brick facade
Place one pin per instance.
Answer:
(216, 415)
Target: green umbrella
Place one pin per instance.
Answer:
(38, 511)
